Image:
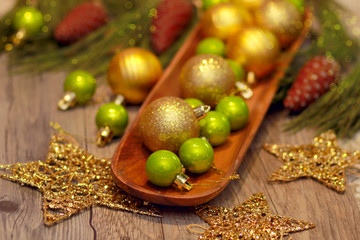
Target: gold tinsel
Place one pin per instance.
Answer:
(250, 220)
(322, 160)
(72, 180)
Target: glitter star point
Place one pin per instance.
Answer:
(72, 180)
(322, 160)
(250, 220)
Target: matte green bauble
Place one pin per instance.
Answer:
(210, 3)
(211, 45)
(197, 155)
(82, 83)
(113, 116)
(237, 69)
(194, 102)
(215, 127)
(162, 167)
(236, 109)
(30, 19)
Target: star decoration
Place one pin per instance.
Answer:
(72, 180)
(250, 220)
(322, 160)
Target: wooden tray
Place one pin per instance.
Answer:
(128, 162)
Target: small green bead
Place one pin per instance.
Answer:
(215, 127)
(82, 83)
(211, 45)
(236, 109)
(162, 167)
(210, 3)
(30, 19)
(113, 116)
(194, 102)
(237, 69)
(197, 155)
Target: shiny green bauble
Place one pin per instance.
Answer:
(113, 116)
(197, 155)
(237, 69)
(162, 167)
(30, 19)
(236, 109)
(211, 45)
(300, 4)
(215, 127)
(82, 83)
(210, 3)
(194, 102)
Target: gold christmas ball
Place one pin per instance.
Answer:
(256, 48)
(208, 78)
(282, 18)
(133, 72)
(166, 123)
(248, 4)
(224, 20)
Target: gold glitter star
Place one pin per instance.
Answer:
(72, 180)
(322, 160)
(250, 220)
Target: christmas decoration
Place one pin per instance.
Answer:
(322, 160)
(313, 80)
(83, 19)
(256, 48)
(72, 180)
(111, 120)
(207, 77)
(171, 19)
(225, 20)
(250, 220)
(193, 102)
(133, 72)
(236, 109)
(29, 20)
(300, 4)
(166, 123)
(282, 18)
(215, 126)
(237, 69)
(197, 155)
(79, 87)
(211, 46)
(249, 4)
(206, 4)
(164, 168)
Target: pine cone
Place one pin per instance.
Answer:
(312, 81)
(172, 17)
(83, 19)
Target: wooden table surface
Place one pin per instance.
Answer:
(28, 103)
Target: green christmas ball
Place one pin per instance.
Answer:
(211, 45)
(210, 3)
(236, 109)
(113, 116)
(237, 69)
(30, 19)
(194, 102)
(215, 127)
(300, 4)
(197, 155)
(162, 167)
(82, 83)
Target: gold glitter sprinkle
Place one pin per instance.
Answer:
(250, 220)
(322, 160)
(72, 180)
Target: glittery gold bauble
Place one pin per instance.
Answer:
(256, 48)
(166, 123)
(133, 72)
(282, 18)
(224, 20)
(249, 4)
(208, 78)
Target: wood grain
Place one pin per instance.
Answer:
(27, 103)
